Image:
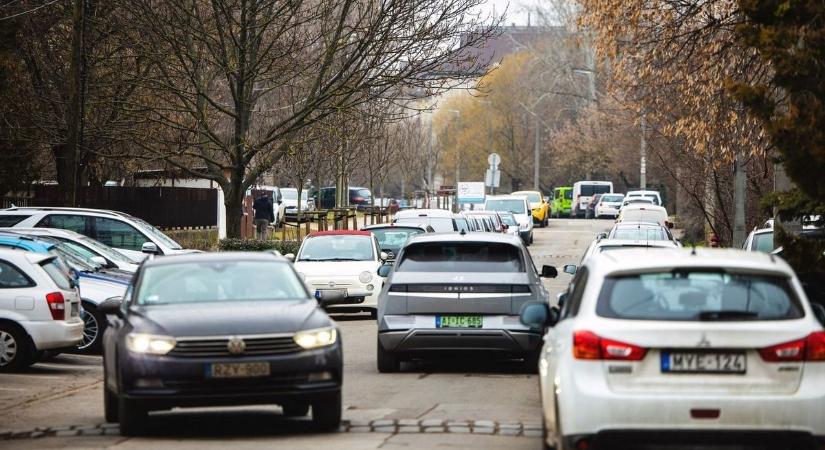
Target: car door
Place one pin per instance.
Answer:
(73, 222)
(121, 236)
(17, 296)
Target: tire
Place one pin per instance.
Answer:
(387, 362)
(326, 414)
(110, 406)
(531, 238)
(295, 409)
(132, 417)
(94, 324)
(16, 349)
(374, 314)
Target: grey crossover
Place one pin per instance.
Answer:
(459, 292)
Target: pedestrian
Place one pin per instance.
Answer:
(264, 215)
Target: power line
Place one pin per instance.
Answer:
(29, 11)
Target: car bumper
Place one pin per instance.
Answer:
(647, 440)
(504, 341)
(161, 382)
(48, 335)
(358, 298)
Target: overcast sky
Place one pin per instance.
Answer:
(516, 11)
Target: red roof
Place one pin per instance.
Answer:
(340, 233)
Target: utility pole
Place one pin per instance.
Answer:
(536, 145)
(740, 172)
(457, 147)
(643, 155)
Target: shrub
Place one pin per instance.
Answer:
(258, 245)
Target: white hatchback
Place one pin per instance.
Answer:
(711, 344)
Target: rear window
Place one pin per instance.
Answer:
(763, 242)
(588, 190)
(439, 224)
(509, 205)
(461, 257)
(612, 198)
(57, 274)
(640, 234)
(12, 220)
(686, 295)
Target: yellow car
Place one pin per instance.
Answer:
(540, 207)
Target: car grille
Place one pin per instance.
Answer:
(261, 346)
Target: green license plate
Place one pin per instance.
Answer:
(458, 322)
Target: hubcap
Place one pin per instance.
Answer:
(8, 348)
(90, 330)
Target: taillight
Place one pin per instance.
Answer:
(588, 345)
(811, 348)
(57, 305)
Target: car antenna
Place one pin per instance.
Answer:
(693, 249)
(462, 232)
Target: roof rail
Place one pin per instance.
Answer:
(60, 208)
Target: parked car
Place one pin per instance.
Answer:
(127, 234)
(693, 345)
(590, 212)
(39, 308)
(609, 245)
(341, 266)
(608, 206)
(95, 285)
(562, 201)
(538, 205)
(654, 196)
(276, 195)
(441, 220)
(290, 201)
(358, 196)
(636, 201)
(492, 217)
(583, 192)
(644, 213)
(510, 220)
(391, 237)
(458, 293)
(257, 337)
(102, 253)
(641, 231)
(519, 207)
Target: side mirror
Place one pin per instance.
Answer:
(100, 261)
(819, 312)
(601, 236)
(290, 256)
(384, 270)
(538, 315)
(111, 306)
(149, 248)
(561, 299)
(669, 224)
(570, 268)
(383, 256)
(549, 272)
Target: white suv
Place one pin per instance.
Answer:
(39, 308)
(701, 344)
(127, 234)
(519, 206)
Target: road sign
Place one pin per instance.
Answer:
(470, 192)
(494, 159)
(492, 178)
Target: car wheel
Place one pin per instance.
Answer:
(295, 409)
(94, 324)
(388, 362)
(109, 405)
(16, 350)
(531, 238)
(132, 417)
(326, 414)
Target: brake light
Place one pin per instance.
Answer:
(811, 348)
(57, 305)
(358, 199)
(588, 345)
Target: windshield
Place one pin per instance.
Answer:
(340, 247)
(532, 197)
(292, 194)
(157, 234)
(105, 251)
(218, 281)
(394, 238)
(689, 295)
(640, 234)
(612, 198)
(644, 215)
(461, 257)
(510, 205)
(439, 224)
(73, 261)
(763, 242)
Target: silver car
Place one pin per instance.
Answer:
(459, 292)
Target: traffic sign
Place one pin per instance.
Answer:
(492, 178)
(494, 159)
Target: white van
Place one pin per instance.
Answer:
(583, 192)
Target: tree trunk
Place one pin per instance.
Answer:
(74, 115)
(234, 195)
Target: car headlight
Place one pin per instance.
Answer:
(365, 277)
(320, 337)
(149, 343)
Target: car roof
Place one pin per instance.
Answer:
(637, 224)
(639, 260)
(636, 243)
(525, 192)
(33, 209)
(188, 258)
(642, 192)
(48, 232)
(645, 207)
(407, 213)
(465, 237)
(506, 197)
(381, 226)
(31, 243)
(33, 257)
(339, 233)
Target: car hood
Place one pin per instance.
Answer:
(228, 318)
(335, 268)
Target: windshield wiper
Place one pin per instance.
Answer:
(727, 314)
(339, 259)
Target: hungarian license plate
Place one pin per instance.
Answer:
(459, 322)
(238, 370)
(704, 362)
(330, 295)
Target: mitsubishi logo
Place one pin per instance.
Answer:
(704, 342)
(236, 346)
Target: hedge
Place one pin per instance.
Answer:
(257, 245)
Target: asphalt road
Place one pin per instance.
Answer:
(444, 404)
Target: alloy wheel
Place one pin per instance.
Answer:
(8, 348)
(90, 330)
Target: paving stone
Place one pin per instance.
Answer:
(509, 431)
(359, 423)
(483, 430)
(37, 434)
(432, 423)
(62, 428)
(484, 424)
(91, 432)
(111, 431)
(409, 429)
(459, 430)
(408, 423)
(21, 434)
(87, 428)
(532, 432)
(382, 423)
(359, 429)
(458, 424)
(509, 426)
(532, 426)
(434, 429)
(107, 426)
(65, 433)
(343, 428)
(385, 429)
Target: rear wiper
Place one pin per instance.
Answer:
(727, 314)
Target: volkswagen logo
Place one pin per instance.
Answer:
(236, 346)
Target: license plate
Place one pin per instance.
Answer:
(704, 362)
(459, 322)
(331, 294)
(75, 310)
(238, 370)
